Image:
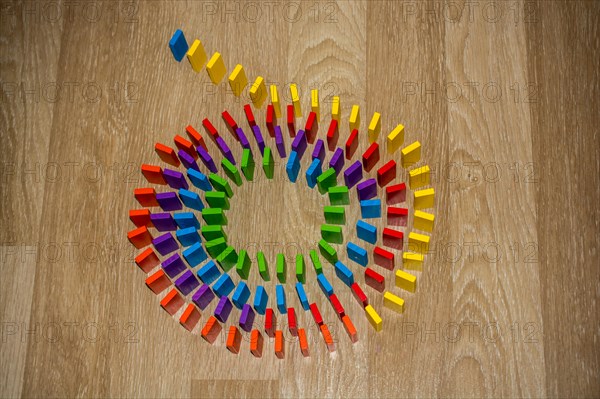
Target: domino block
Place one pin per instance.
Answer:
(374, 279)
(393, 238)
(187, 160)
(247, 318)
(223, 286)
(216, 247)
(243, 139)
(395, 194)
(332, 234)
(147, 260)
(314, 103)
(299, 144)
(199, 180)
(190, 317)
(395, 139)
(386, 173)
(351, 144)
(247, 165)
(279, 143)
(311, 127)
(187, 282)
(313, 171)
(153, 174)
(203, 296)
(187, 236)
(344, 274)
(336, 109)
(228, 258)
(281, 268)
(337, 160)
(268, 163)
(419, 177)
(292, 322)
(271, 120)
(275, 101)
(211, 330)
(327, 179)
(165, 244)
(185, 145)
(373, 318)
(173, 265)
(141, 217)
(234, 340)
(370, 157)
(190, 199)
(210, 128)
(172, 302)
(214, 216)
(359, 295)
(418, 242)
(195, 137)
(249, 115)
(316, 261)
(196, 55)
(424, 199)
(158, 282)
(280, 297)
(383, 258)
(354, 120)
(350, 329)
(212, 232)
(319, 151)
(270, 323)
(370, 209)
(357, 254)
(406, 281)
(231, 171)
(366, 232)
(337, 306)
(178, 45)
(175, 179)
(216, 68)
(295, 100)
(303, 342)
(374, 127)
(291, 121)
(258, 92)
(423, 221)
(314, 310)
(217, 199)
(279, 344)
(260, 141)
(243, 265)
(338, 195)
(292, 167)
(220, 184)
(166, 154)
(194, 254)
(334, 214)
(209, 272)
(223, 309)
(328, 252)
(413, 261)
(410, 155)
(300, 269)
(206, 159)
(393, 302)
(302, 296)
(256, 343)
(263, 269)
(366, 189)
(333, 135)
(145, 196)
(397, 216)
(260, 300)
(325, 285)
(238, 80)
(327, 337)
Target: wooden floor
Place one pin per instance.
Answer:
(504, 97)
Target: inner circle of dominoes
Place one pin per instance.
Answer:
(182, 233)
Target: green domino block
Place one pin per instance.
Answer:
(339, 195)
(214, 216)
(212, 232)
(215, 247)
(332, 233)
(335, 214)
(263, 269)
(227, 259)
(281, 269)
(328, 252)
(247, 164)
(217, 199)
(268, 163)
(326, 179)
(243, 264)
(220, 184)
(314, 256)
(231, 171)
(300, 269)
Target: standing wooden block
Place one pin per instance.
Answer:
(195, 254)
(395, 139)
(350, 329)
(366, 189)
(158, 282)
(172, 302)
(357, 254)
(268, 163)
(336, 112)
(395, 194)
(210, 129)
(247, 165)
(326, 180)
(333, 135)
(334, 214)
(196, 55)
(300, 269)
(243, 265)
(370, 157)
(186, 283)
(169, 201)
(353, 174)
(234, 340)
(231, 124)
(147, 260)
(359, 295)
(302, 296)
(344, 273)
(328, 251)
(337, 305)
(354, 121)
(291, 121)
(319, 151)
(314, 103)
(185, 145)
(187, 160)
(140, 217)
(260, 141)
(374, 127)
(292, 323)
(145, 196)
(247, 318)
(166, 154)
(314, 257)
(303, 342)
(419, 177)
(295, 100)
(370, 209)
(366, 232)
(424, 199)
(393, 302)
(271, 120)
(231, 171)
(338, 195)
(386, 173)
(195, 137)
(299, 144)
(223, 286)
(397, 216)
(332, 234)
(256, 343)
(314, 310)
(418, 242)
(279, 344)
(140, 237)
(153, 174)
(275, 101)
(383, 258)
(279, 143)
(270, 323)
(249, 115)
(214, 216)
(220, 184)
(261, 298)
(263, 268)
(190, 317)
(292, 168)
(178, 45)
(327, 337)
(337, 161)
(225, 150)
(280, 298)
(240, 295)
(325, 285)
(203, 296)
(413, 261)
(175, 179)
(374, 279)
(209, 272)
(406, 281)
(281, 268)
(190, 199)
(311, 127)
(393, 238)
(217, 199)
(258, 92)
(207, 160)
(423, 221)
(373, 318)
(173, 265)
(223, 309)
(313, 172)
(410, 155)
(352, 144)
(216, 68)
(211, 330)
(238, 80)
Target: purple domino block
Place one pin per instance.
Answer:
(187, 282)
(169, 201)
(173, 265)
(225, 149)
(259, 138)
(243, 139)
(353, 174)
(165, 244)
(337, 160)
(187, 160)
(163, 221)
(319, 151)
(247, 318)
(367, 189)
(203, 297)
(299, 144)
(206, 159)
(279, 142)
(223, 309)
(175, 179)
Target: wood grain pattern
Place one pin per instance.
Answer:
(503, 97)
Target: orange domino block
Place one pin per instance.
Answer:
(153, 174)
(303, 342)
(292, 323)
(140, 217)
(140, 237)
(145, 196)
(270, 322)
(256, 343)
(196, 137)
(186, 146)
(374, 279)
(383, 258)
(190, 317)
(327, 337)
(172, 302)
(158, 282)
(386, 173)
(279, 344)
(234, 340)
(147, 260)
(211, 330)
(167, 154)
(352, 144)
(350, 329)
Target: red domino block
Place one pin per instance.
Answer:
(196, 137)
(292, 323)
(371, 157)
(270, 322)
(153, 174)
(190, 317)
(386, 173)
(350, 329)
(231, 124)
(167, 154)
(140, 217)
(256, 343)
(158, 282)
(145, 196)
(333, 135)
(397, 216)
(374, 279)
(383, 258)
(395, 194)
(352, 144)
(211, 330)
(291, 120)
(147, 260)
(234, 340)
(172, 302)
(271, 121)
(210, 129)
(186, 146)
(312, 127)
(393, 238)
(316, 314)
(140, 237)
(327, 337)
(337, 306)
(249, 115)
(359, 295)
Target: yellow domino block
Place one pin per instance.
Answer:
(423, 221)
(424, 198)
(374, 127)
(410, 155)
(216, 68)
(258, 92)
(395, 139)
(335, 109)
(295, 100)
(373, 318)
(314, 103)
(238, 80)
(354, 117)
(419, 177)
(406, 281)
(418, 242)
(393, 302)
(413, 261)
(196, 55)
(275, 101)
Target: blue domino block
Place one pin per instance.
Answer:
(209, 272)
(195, 254)
(325, 285)
(281, 302)
(357, 254)
(302, 296)
(370, 208)
(313, 171)
(223, 286)
(240, 295)
(293, 166)
(199, 180)
(186, 219)
(366, 232)
(344, 273)
(260, 300)
(190, 199)
(178, 45)
(188, 236)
